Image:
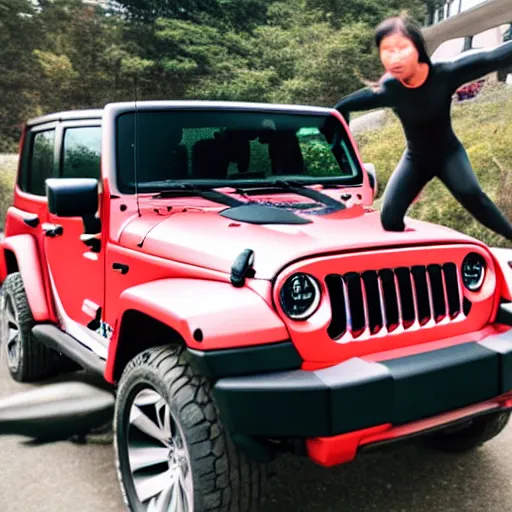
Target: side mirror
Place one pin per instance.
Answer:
(72, 197)
(372, 175)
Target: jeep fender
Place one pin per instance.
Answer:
(25, 250)
(502, 260)
(206, 314)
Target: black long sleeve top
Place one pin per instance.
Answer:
(424, 111)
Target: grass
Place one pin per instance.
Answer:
(485, 129)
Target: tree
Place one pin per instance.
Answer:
(19, 31)
(64, 54)
(241, 14)
(343, 12)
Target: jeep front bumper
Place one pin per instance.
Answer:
(358, 395)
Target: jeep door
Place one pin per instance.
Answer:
(76, 271)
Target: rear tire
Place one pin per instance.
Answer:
(160, 385)
(27, 360)
(471, 436)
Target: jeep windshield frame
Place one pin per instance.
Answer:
(232, 148)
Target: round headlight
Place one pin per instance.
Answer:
(473, 271)
(300, 296)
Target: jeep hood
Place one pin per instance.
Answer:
(206, 239)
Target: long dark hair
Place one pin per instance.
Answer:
(410, 29)
(406, 27)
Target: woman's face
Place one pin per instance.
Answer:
(399, 56)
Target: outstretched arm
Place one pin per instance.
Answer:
(364, 99)
(476, 64)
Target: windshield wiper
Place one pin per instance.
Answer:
(187, 189)
(296, 188)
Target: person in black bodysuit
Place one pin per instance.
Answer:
(420, 92)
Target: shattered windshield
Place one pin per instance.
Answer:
(227, 148)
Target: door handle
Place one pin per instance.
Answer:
(52, 230)
(120, 267)
(31, 220)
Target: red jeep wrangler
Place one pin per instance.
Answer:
(221, 266)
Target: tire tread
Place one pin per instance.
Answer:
(238, 482)
(38, 360)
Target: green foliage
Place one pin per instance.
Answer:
(8, 165)
(193, 49)
(81, 162)
(328, 64)
(341, 13)
(318, 158)
(19, 32)
(239, 14)
(484, 128)
(66, 54)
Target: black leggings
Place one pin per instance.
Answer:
(455, 171)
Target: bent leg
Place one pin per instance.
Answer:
(403, 187)
(457, 174)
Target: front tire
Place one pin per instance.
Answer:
(170, 443)
(464, 439)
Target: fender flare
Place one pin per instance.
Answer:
(501, 258)
(25, 249)
(206, 314)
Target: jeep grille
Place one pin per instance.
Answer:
(382, 301)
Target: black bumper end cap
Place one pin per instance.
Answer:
(504, 315)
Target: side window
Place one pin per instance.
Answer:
(81, 152)
(41, 162)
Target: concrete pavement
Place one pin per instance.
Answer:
(67, 477)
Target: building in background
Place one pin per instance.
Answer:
(487, 39)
